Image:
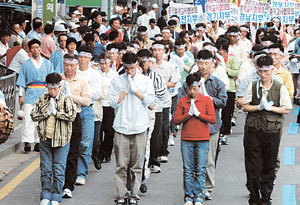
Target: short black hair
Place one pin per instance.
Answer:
(33, 41)
(204, 54)
(4, 33)
(142, 29)
(233, 29)
(71, 40)
(172, 22)
(277, 45)
(144, 10)
(163, 12)
(265, 60)
(88, 37)
(133, 3)
(83, 19)
(112, 45)
(144, 53)
(103, 36)
(68, 56)
(191, 78)
(85, 48)
(95, 14)
(111, 22)
(121, 46)
(95, 25)
(222, 43)
(198, 25)
(152, 20)
(53, 78)
(37, 24)
(129, 58)
(48, 28)
(60, 35)
(83, 29)
(113, 35)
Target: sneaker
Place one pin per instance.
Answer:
(120, 202)
(80, 181)
(233, 122)
(143, 188)
(67, 193)
(155, 169)
(54, 203)
(37, 147)
(207, 195)
(163, 159)
(224, 140)
(133, 202)
(188, 201)
(45, 202)
(198, 203)
(171, 140)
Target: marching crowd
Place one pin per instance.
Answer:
(88, 86)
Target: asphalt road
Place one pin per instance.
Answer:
(166, 188)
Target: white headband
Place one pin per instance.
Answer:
(257, 57)
(200, 29)
(267, 43)
(146, 59)
(158, 46)
(205, 60)
(196, 83)
(131, 50)
(70, 60)
(113, 50)
(53, 85)
(166, 30)
(233, 33)
(158, 38)
(275, 50)
(103, 61)
(85, 54)
(180, 46)
(210, 48)
(266, 67)
(244, 29)
(125, 64)
(143, 33)
(122, 51)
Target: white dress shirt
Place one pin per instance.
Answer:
(132, 113)
(143, 20)
(153, 32)
(18, 60)
(3, 49)
(106, 79)
(152, 14)
(94, 78)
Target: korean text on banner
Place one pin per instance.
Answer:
(284, 10)
(49, 11)
(187, 13)
(217, 10)
(37, 8)
(254, 11)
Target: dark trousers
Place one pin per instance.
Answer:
(97, 141)
(106, 128)
(156, 140)
(72, 160)
(261, 150)
(165, 132)
(298, 118)
(227, 114)
(173, 108)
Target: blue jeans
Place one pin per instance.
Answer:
(86, 143)
(52, 165)
(194, 156)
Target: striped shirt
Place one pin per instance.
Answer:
(160, 89)
(66, 113)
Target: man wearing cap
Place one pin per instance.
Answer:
(73, 32)
(78, 14)
(31, 81)
(265, 101)
(87, 113)
(78, 88)
(153, 29)
(152, 13)
(143, 20)
(47, 41)
(130, 95)
(119, 12)
(59, 29)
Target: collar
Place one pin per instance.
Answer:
(279, 71)
(197, 100)
(74, 79)
(261, 85)
(37, 64)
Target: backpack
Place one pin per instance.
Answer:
(6, 124)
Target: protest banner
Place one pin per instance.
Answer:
(187, 13)
(217, 10)
(254, 11)
(284, 10)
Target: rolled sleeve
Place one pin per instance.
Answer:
(285, 101)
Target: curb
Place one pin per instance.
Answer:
(13, 144)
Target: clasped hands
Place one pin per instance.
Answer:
(132, 86)
(193, 109)
(264, 104)
(52, 110)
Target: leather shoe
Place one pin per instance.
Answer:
(37, 147)
(27, 147)
(108, 158)
(143, 188)
(97, 164)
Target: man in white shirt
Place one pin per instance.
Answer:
(153, 29)
(4, 38)
(143, 20)
(131, 94)
(171, 77)
(87, 113)
(152, 13)
(20, 57)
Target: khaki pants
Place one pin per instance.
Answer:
(211, 165)
(129, 152)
